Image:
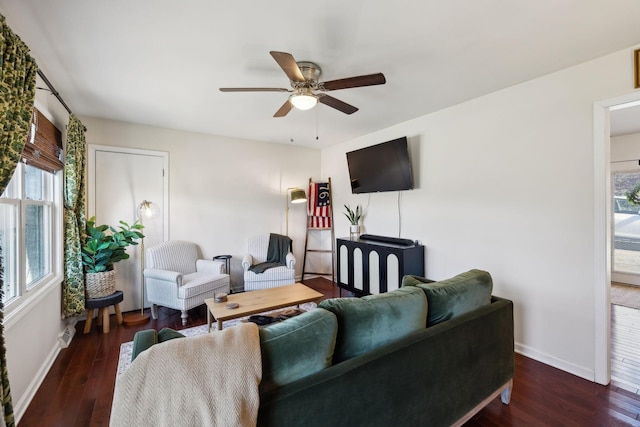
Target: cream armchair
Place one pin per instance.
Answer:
(175, 277)
(276, 276)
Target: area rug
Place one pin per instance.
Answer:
(126, 348)
(625, 295)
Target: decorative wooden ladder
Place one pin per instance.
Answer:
(311, 229)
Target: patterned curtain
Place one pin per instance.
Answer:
(17, 92)
(74, 218)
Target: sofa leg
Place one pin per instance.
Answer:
(184, 317)
(154, 311)
(505, 396)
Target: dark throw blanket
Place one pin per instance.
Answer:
(279, 247)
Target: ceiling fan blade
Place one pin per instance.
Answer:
(337, 104)
(368, 80)
(253, 89)
(284, 110)
(288, 64)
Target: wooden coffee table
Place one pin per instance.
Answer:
(259, 301)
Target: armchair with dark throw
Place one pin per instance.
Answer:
(269, 262)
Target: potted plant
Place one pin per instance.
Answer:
(354, 219)
(633, 195)
(103, 247)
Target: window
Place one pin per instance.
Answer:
(26, 230)
(626, 229)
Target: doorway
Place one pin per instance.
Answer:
(119, 180)
(603, 230)
(625, 262)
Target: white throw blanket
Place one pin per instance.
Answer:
(206, 380)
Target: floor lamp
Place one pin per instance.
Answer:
(297, 196)
(146, 210)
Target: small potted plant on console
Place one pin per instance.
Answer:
(354, 219)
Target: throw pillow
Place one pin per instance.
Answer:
(375, 320)
(455, 296)
(297, 347)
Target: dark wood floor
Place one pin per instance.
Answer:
(79, 387)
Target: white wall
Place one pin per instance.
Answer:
(505, 183)
(625, 147)
(222, 190)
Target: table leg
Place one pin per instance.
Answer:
(219, 325)
(209, 319)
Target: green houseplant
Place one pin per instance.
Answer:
(633, 195)
(102, 247)
(354, 219)
(353, 216)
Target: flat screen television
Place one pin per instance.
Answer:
(380, 167)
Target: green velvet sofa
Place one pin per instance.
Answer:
(427, 354)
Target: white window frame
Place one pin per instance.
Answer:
(28, 294)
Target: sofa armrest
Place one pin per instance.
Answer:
(147, 338)
(143, 340)
(291, 260)
(164, 275)
(247, 261)
(209, 266)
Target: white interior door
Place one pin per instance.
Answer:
(119, 180)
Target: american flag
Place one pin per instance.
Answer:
(318, 205)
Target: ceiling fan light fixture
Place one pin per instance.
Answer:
(304, 77)
(304, 100)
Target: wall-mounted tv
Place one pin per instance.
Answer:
(380, 167)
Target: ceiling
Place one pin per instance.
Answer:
(161, 62)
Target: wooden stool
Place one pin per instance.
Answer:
(103, 304)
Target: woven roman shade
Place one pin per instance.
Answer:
(45, 152)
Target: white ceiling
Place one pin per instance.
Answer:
(161, 62)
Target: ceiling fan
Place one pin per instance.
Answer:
(306, 88)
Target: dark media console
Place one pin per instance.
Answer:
(375, 264)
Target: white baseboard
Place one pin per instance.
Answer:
(579, 371)
(64, 339)
(20, 407)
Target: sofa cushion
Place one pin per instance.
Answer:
(455, 296)
(375, 320)
(297, 347)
